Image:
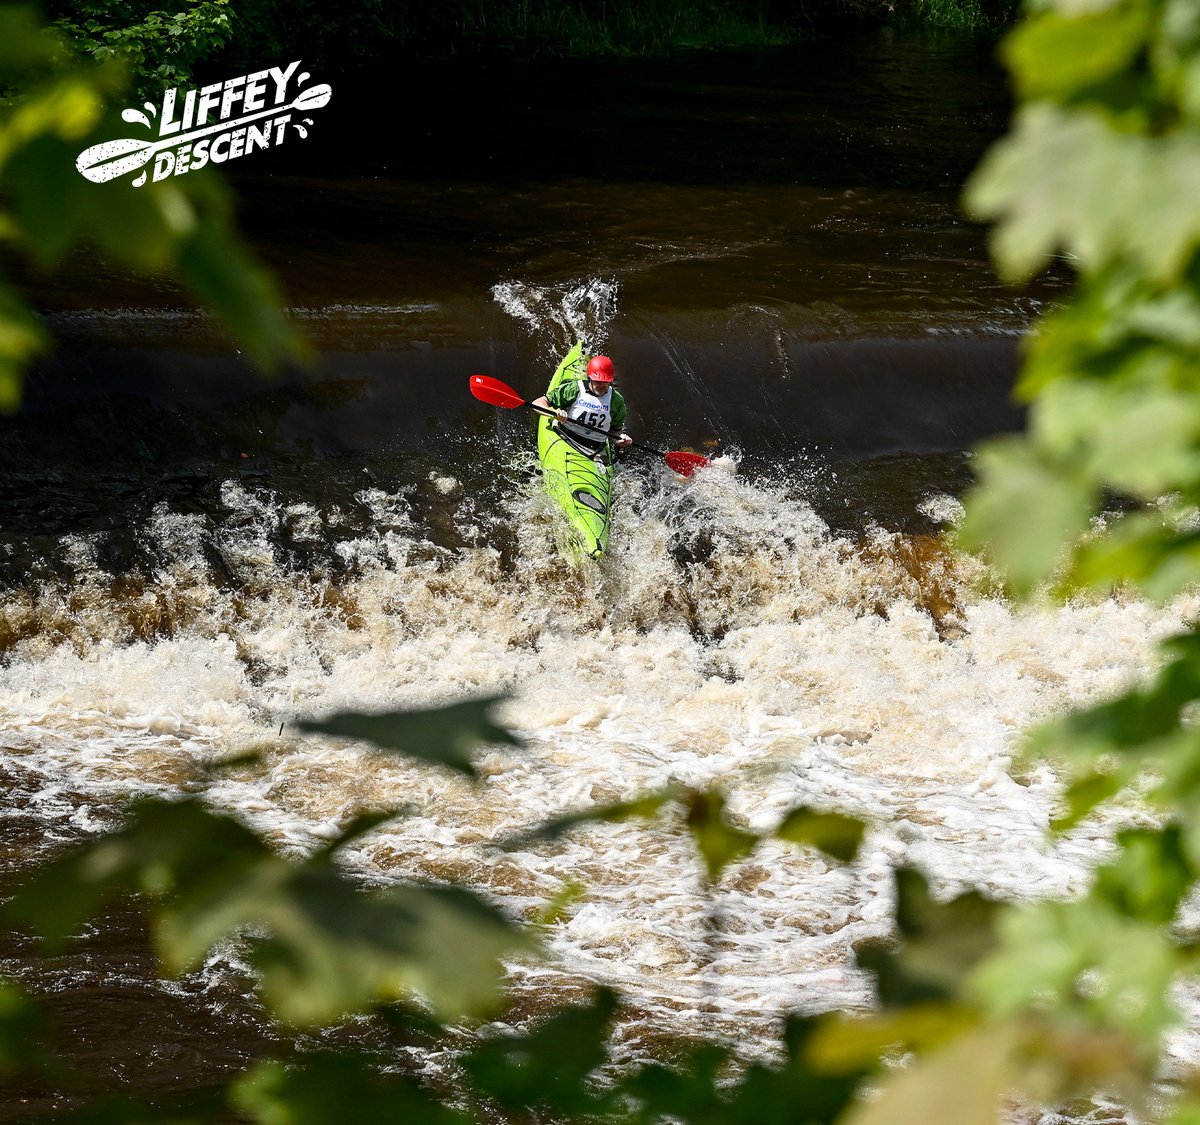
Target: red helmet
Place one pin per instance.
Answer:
(600, 369)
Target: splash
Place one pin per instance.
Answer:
(560, 315)
(729, 637)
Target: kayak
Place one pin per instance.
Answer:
(580, 483)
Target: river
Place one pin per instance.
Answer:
(770, 247)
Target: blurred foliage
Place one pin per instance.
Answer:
(180, 228)
(323, 947)
(320, 946)
(447, 736)
(1101, 168)
(1101, 495)
(717, 839)
(161, 46)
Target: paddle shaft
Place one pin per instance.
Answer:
(493, 391)
(595, 429)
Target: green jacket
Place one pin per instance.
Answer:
(568, 391)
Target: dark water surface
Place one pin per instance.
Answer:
(792, 273)
(783, 274)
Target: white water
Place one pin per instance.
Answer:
(728, 638)
(790, 666)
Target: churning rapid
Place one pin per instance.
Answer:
(730, 636)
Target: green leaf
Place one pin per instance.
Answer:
(1057, 180)
(168, 847)
(22, 337)
(1066, 180)
(941, 944)
(1147, 444)
(1083, 959)
(642, 807)
(838, 835)
(964, 1083)
(1139, 548)
(688, 1092)
(322, 946)
(1150, 876)
(553, 1067)
(228, 282)
(1135, 720)
(1177, 766)
(1171, 318)
(447, 736)
(702, 1087)
(21, 1022)
(1026, 510)
(842, 1043)
(25, 43)
(559, 905)
(771, 1095)
(361, 825)
(322, 1087)
(1138, 437)
(717, 840)
(331, 949)
(1086, 793)
(1052, 55)
(47, 197)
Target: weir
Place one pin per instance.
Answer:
(763, 394)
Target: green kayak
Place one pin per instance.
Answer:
(581, 484)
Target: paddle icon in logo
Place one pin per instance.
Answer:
(228, 137)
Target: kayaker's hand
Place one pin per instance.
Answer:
(624, 439)
(561, 415)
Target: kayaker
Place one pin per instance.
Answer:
(593, 402)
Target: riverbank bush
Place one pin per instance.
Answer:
(164, 45)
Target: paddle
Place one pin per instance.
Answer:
(110, 159)
(492, 391)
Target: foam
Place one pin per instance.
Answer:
(728, 638)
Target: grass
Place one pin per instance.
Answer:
(633, 27)
(641, 27)
(955, 15)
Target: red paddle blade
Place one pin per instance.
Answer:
(492, 391)
(684, 463)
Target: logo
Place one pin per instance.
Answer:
(211, 124)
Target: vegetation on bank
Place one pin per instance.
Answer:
(165, 41)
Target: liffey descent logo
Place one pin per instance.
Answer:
(215, 123)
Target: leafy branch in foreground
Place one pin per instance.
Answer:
(180, 228)
(1103, 492)
(719, 842)
(446, 736)
(1101, 167)
(322, 947)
